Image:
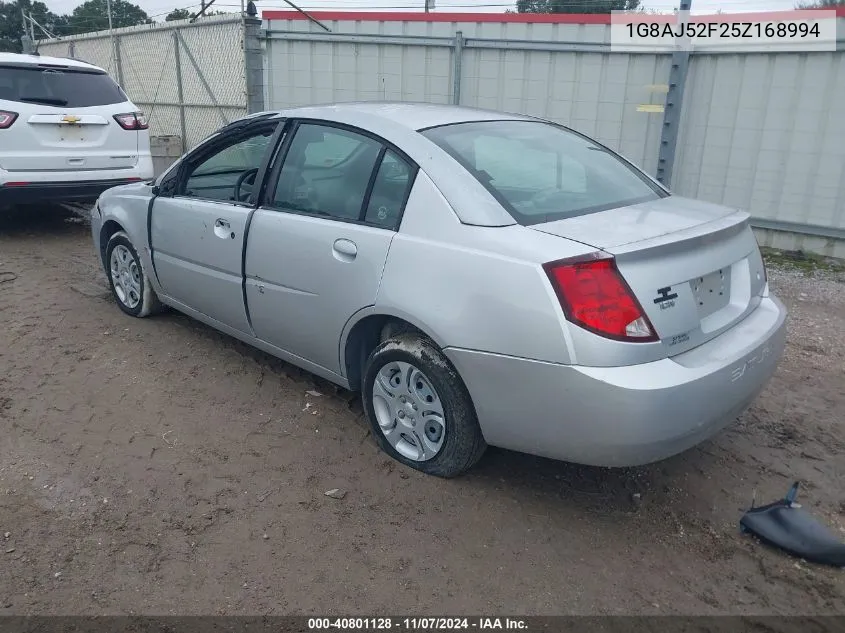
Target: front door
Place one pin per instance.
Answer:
(197, 234)
(317, 246)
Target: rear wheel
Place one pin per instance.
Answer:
(129, 282)
(419, 409)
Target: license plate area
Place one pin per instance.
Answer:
(712, 292)
(71, 133)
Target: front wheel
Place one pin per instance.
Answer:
(419, 409)
(129, 282)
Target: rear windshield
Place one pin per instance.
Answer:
(541, 172)
(58, 87)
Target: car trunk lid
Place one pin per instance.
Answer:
(48, 139)
(694, 267)
(65, 120)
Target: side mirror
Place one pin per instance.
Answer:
(156, 190)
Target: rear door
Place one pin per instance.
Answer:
(317, 246)
(65, 120)
(197, 230)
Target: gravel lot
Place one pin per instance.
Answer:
(155, 466)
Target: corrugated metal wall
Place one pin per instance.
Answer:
(302, 73)
(766, 133)
(595, 93)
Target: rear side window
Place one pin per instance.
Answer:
(58, 87)
(390, 191)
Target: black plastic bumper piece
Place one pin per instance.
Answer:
(70, 191)
(788, 526)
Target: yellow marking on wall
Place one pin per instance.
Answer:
(650, 107)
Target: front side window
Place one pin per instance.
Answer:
(540, 172)
(229, 172)
(58, 87)
(326, 172)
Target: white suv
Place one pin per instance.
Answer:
(67, 131)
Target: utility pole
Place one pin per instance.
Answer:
(114, 53)
(674, 98)
(26, 40)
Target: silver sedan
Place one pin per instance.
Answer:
(482, 278)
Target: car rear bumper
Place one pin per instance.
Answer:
(624, 416)
(69, 191)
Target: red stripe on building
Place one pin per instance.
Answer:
(397, 16)
(535, 18)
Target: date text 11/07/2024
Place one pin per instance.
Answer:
(417, 624)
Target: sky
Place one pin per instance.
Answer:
(157, 9)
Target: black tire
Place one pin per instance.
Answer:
(149, 302)
(463, 444)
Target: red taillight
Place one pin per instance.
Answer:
(594, 295)
(132, 121)
(7, 118)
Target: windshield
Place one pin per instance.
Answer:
(541, 172)
(58, 87)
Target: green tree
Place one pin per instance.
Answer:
(93, 16)
(184, 14)
(575, 6)
(178, 14)
(11, 28)
(821, 4)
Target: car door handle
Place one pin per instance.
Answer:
(344, 250)
(222, 229)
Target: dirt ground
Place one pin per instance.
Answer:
(155, 466)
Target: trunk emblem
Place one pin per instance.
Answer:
(665, 294)
(665, 297)
(71, 119)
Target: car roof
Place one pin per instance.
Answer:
(39, 60)
(413, 116)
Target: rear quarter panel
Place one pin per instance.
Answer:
(473, 287)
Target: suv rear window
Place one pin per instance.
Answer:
(58, 87)
(540, 172)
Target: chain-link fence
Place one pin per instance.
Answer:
(187, 77)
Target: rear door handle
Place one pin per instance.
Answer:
(344, 250)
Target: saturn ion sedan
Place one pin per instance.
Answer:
(481, 278)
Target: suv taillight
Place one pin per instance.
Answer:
(7, 118)
(132, 121)
(594, 295)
